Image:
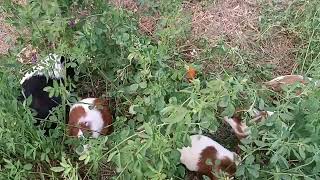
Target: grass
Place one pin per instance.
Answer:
(140, 63)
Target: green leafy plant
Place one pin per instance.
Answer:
(156, 108)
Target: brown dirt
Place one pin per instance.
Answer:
(147, 24)
(278, 50)
(233, 20)
(8, 35)
(130, 5)
(236, 22)
(20, 2)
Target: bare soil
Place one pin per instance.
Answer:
(8, 35)
(236, 22)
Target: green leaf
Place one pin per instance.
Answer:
(177, 116)
(47, 89)
(143, 84)
(274, 159)
(249, 160)
(229, 110)
(133, 88)
(240, 171)
(148, 128)
(51, 93)
(296, 153)
(27, 166)
(285, 116)
(57, 169)
(131, 109)
(224, 101)
(125, 36)
(87, 160)
(73, 65)
(261, 104)
(83, 156)
(302, 152)
(167, 110)
(253, 171)
(209, 162)
(111, 155)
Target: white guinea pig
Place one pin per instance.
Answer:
(204, 149)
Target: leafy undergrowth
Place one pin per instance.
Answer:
(156, 107)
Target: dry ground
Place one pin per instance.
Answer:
(7, 35)
(236, 22)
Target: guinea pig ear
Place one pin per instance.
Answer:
(62, 60)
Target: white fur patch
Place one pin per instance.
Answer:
(287, 76)
(190, 156)
(93, 117)
(50, 66)
(234, 125)
(270, 113)
(258, 114)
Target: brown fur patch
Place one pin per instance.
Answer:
(210, 153)
(74, 116)
(239, 131)
(103, 106)
(260, 116)
(277, 85)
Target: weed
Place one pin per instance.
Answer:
(156, 107)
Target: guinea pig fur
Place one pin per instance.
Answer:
(90, 114)
(35, 81)
(278, 83)
(240, 128)
(202, 149)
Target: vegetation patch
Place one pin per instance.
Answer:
(171, 69)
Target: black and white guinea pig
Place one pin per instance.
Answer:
(42, 75)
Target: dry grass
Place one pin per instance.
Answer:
(233, 20)
(236, 22)
(8, 35)
(130, 5)
(147, 24)
(20, 2)
(279, 50)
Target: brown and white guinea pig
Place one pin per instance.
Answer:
(90, 115)
(240, 128)
(42, 75)
(202, 149)
(278, 83)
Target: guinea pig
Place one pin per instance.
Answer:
(278, 83)
(42, 75)
(204, 149)
(90, 115)
(240, 128)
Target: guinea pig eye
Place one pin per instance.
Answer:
(91, 107)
